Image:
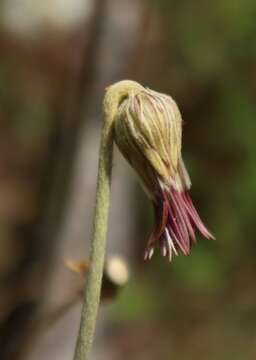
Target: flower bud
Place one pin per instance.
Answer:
(148, 132)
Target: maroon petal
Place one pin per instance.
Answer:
(176, 220)
(195, 217)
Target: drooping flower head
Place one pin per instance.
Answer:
(148, 132)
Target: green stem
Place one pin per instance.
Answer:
(113, 97)
(94, 278)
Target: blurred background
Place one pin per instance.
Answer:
(56, 58)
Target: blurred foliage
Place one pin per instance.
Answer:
(136, 302)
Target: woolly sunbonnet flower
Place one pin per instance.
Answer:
(148, 132)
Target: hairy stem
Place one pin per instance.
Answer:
(94, 279)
